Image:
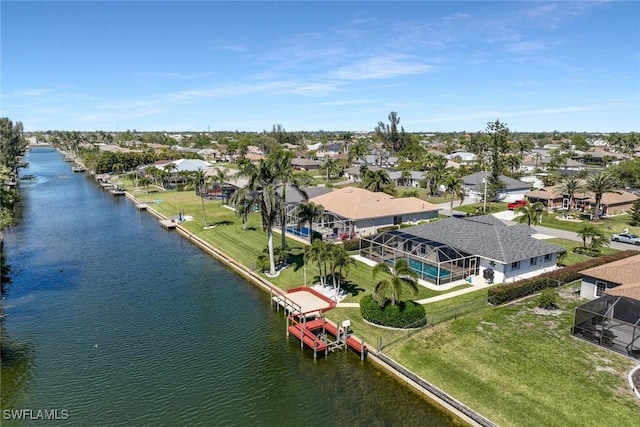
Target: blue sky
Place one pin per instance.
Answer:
(443, 66)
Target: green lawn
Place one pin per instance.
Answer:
(476, 208)
(609, 224)
(572, 257)
(518, 367)
(246, 245)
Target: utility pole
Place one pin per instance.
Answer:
(484, 199)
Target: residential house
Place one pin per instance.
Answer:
(352, 210)
(611, 318)
(610, 204)
(469, 248)
(305, 164)
(409, 179)
(474, 186)
(621, 278)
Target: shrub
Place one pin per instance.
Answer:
(548, 299)
(389, 228)
(404, 314)
(351, 244)
(500, 294)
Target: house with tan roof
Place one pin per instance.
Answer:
(352, 210)
(611, 203)
(621, 278)
(612, 316)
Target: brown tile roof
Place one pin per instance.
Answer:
(623, 272)
(553, 192)
(628, 290)
(358, 203)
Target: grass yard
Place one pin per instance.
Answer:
(476, 208)
(246, 245)
(518, 367)
(609, 225)
(572, 257)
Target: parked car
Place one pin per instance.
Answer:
(626, 238)
(517, 204)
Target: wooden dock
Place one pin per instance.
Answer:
(142, 206)
(315, 335)
(117, 192)
(78, 168)
(169, 224)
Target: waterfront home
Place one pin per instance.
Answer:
(354, 211)
(471, 248)
(474, 186)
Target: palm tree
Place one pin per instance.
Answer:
(318, 252)
(358, 151)
(220, 177)
(283, 175)
(339, 261)
(597, 236)
(376, 181)
(600, 184)
(570, 186)
(242, 203)
(530, 212)
(200, 181)
(330, 167)
(454, 189)
(262, 190)
(309, 212)
(401, 275)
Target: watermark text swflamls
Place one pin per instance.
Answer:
(36, 414)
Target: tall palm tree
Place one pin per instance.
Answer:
(570, 186)
(376, 181)
(454, 189)
(331, 167)
(200, 181)
(401, 275)
(530, 212)
(318, 253)
(242, 203)
(600, 184)
(309, 212)
(262, 189)
(339, 261)
(284, 177)
(358, 151)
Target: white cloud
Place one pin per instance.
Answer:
(382, 67)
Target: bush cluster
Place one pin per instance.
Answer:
(388, 228)
(548, 299)
(403, 314)
(511, 291)
(351, 244)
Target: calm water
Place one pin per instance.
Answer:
(119, 322)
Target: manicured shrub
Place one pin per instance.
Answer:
(389, 228)
(548, 299)
(404, 314)
(500, 294)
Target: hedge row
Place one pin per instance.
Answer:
(401, 315)
(511, 291)
(351, 244)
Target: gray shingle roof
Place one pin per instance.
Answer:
(487, 237)
(477, 178)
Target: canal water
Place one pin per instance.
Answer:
(113, 321)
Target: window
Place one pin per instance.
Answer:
(533, 261)
(600, 288)
(515, 265)
(547, 257)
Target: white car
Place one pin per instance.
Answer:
(626, 238)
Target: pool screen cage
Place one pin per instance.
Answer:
(435, 262)
(610, 321)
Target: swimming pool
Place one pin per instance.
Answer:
(425, 270)
(298, 231)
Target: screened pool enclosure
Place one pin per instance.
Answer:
(434, 262)
(610, 321)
